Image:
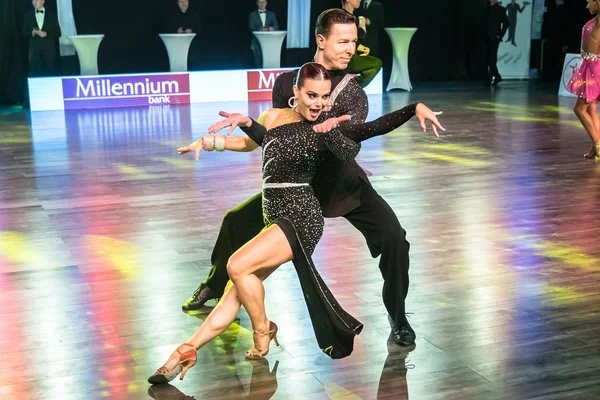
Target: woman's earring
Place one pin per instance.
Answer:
(293, 102)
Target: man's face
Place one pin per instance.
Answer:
(183, 5)
(492, 2)
(339, 47)
(262, 4)
(354, 3)
(38, 4)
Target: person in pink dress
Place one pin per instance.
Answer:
(585, 82)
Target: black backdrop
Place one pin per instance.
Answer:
(447, 45)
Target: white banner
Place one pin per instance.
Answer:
(570, 65)
(67, 27)
(159, 89)
(513, 54)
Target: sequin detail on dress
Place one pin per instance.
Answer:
(291, 154)
(585, 80)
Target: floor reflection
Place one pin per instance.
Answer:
(262, 386)
(393, 381)
(167, 392)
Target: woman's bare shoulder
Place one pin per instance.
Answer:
(275, 117)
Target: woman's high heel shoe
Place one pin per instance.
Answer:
(593, 154)
(186, 361)
(255, 353)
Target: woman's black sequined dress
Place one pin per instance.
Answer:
(291, 154)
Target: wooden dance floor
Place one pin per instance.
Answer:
(105, 231)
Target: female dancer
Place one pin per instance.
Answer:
(292, 149)
(585, 82)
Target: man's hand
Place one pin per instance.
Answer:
(423, 113)
(362, 23)
(38, 32)
(330, 124)
(179, 30)
(232, 120)
(188, 31)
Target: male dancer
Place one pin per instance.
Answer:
(342, 188)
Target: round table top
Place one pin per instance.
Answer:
(176, 34)
(401, 29)
(85, 36)
(273, 33)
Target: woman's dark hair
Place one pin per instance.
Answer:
(330, 17)
(311, 70)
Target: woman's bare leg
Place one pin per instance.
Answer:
(582, 110)
(219, 319)
(265, 252)
(247, 267)
(215, 323)
(593, 111)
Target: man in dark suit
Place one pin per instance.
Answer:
(496, 26)
(261, 20)
(558, 22)
(184, 20)
(373, 13)
(42, 29)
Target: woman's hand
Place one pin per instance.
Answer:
(423, 113)
(330, 124)
(232, 120)
(195, 147)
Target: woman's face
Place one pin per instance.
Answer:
(312, 97)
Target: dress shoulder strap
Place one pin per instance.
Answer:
(338, 89)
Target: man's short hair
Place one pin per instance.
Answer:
(330, 17)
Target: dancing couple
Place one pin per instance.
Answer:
(307, 167)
